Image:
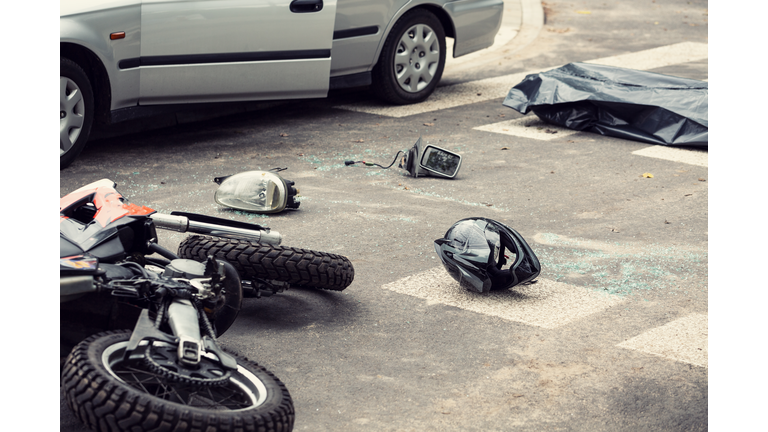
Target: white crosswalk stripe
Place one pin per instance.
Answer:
(546, 304)
(684, 340)
(498, 87)
(692, 157)
(534, 128)
(528, 127)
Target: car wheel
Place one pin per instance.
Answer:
(76, 111)
(412, 59)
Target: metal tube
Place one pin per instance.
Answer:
(183, 224)
(232, 232)
(183, 319)
(173, 223)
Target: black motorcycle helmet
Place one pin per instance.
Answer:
(473, 252)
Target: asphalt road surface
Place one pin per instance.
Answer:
(613, 337)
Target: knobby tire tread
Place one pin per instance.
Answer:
(299, 267)
(104, 404)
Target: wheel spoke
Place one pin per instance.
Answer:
(431, 57)
(75, 120)
(430, 38)
(64, 142)
(73, 99)
(63, 89)
(407, 44)
(419, 35)
(403, 78)
(424, 78)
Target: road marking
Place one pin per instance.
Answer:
(498, 87)
(653, 58)
(546, 304)
(528, 127)
(683, 340)
(692, 157)
(533, 127)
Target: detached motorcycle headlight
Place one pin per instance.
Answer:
(256, 191)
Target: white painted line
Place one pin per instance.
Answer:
(683, 340)
(445, 97)
(683, 52)
(498, 87)
(529, 126)
(546, 304)
(692, 157)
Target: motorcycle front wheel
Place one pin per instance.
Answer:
(298, 267)
(108, 393)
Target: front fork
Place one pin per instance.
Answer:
(183, 319)
(184, 322)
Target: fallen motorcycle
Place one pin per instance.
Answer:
(169, 372)
(265, 267)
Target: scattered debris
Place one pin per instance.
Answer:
(284, 134)
(429, 124)
(647, 175)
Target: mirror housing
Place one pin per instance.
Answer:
(430, 160)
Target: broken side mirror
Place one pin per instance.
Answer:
(431, 161)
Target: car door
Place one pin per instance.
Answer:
(230, 50)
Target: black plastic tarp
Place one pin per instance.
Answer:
(625, 103)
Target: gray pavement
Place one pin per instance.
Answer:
(615, 335)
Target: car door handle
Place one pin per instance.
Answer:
(303, 6)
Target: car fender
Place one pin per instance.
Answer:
(476, 23)
(89, 27)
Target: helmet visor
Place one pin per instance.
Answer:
(467, 237)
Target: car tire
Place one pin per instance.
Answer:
(412, 60)
(76, 111)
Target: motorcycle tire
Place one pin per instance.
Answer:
(298, 267)
(109, 394)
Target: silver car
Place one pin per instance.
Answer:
(121, 58)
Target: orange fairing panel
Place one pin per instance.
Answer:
(111, 206)
(109, 203)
